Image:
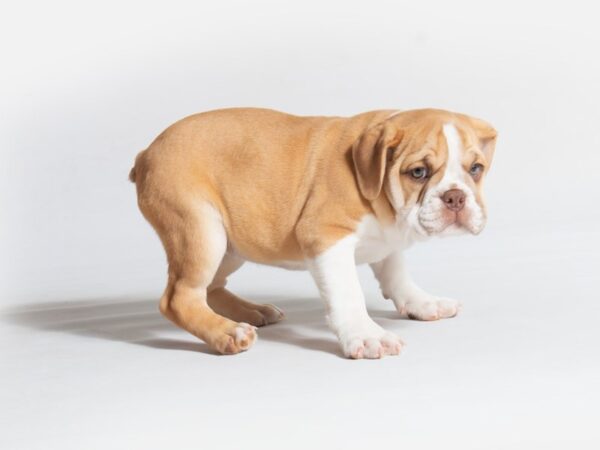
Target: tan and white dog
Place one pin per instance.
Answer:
(316, 193)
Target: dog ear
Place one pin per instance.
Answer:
(487, 138)
(370, 156)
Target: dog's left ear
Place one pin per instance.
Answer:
(487, 138)
(370, 157)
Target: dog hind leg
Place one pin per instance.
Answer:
(195, 242)
(229, 305)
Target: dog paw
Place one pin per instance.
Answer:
(373, 344)
(263, 315)
(240, 338)
(271, 313)
(433, 308)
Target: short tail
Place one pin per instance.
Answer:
(132, 172)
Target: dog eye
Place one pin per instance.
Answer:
(419, 173)
(476, 170)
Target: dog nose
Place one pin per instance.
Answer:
(454, 199)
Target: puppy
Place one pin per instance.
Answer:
(316, 193)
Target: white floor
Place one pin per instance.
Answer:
(519, 368)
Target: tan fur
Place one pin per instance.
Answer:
(273, 187)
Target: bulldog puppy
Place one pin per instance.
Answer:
(316, 193)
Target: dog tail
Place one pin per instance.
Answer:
(132, 172)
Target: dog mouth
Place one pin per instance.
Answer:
(450, 222)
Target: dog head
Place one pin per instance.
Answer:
(431, 165)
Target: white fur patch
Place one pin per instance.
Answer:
(454, 170)
(376, 241)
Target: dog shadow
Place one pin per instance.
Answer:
(139, 322)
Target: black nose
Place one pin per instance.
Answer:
(454, 199)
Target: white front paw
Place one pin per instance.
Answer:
(369, 341)
(428, 307)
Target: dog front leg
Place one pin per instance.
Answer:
(334, 272)
(410, 300)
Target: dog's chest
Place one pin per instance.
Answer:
(375, 241)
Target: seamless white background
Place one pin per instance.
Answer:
(87, 361)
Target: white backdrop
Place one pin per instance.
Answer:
(84, 87)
